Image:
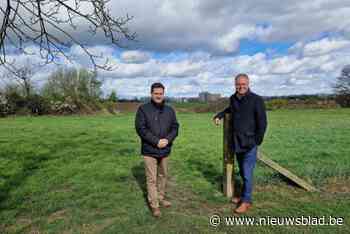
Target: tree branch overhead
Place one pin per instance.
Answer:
(50, 25)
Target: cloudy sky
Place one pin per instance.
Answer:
(286, 47)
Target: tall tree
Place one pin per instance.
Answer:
(113, 96)
(342, 87)
(79, 84)
(23, 77)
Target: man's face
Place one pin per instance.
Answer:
(242, 85)
(157, 95)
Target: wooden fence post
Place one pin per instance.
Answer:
(228, 160)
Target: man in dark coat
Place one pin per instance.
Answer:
(249, 124)
(157, 126)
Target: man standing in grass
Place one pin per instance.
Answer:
(157, 127)
(248, 128)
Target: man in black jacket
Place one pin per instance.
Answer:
(248, 128)
(157, 127)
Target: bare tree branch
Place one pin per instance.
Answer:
(49, 25)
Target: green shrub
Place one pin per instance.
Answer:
(38, 104)
(276, 104)
(111, 107)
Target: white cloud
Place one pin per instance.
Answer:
(194, 24)
(218, 26)
(180, 69)
(199, 41)
(230, 42)
(186, 74)
(284, 65)
(134, 56)
(325, 46)
(286, 74)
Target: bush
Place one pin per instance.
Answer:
(4, 109)
(73, 91)
(276, 104)
(111, 107)
(38, 105)
(15, 101)
(3, 105)
(63, 107)
(113, 97)
(343, 100)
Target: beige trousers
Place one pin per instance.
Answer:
(156, 171)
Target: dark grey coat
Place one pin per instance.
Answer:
(249, 121)
(154, 122)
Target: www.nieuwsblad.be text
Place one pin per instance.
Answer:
(216, 220)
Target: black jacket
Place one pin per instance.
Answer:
(154, 122)
(249, 120)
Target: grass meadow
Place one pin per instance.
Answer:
(84, 174)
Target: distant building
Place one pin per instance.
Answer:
(208, 97)
(177, 99)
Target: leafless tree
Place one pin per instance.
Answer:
(25, 75)
(48, 24)
(22, 78)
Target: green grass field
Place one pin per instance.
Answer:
(85, 175)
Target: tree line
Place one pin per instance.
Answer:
(65, 91)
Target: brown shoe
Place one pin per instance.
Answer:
(156, 212)
(236, 200)
(165, 203)
(244, 207)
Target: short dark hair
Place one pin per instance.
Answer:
(241, 75)
(157, 85)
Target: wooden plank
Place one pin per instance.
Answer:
(228, 159)
(302, 183)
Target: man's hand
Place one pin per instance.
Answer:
(217, 121)
(163, 143)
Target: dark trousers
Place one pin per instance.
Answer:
(246, 164)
